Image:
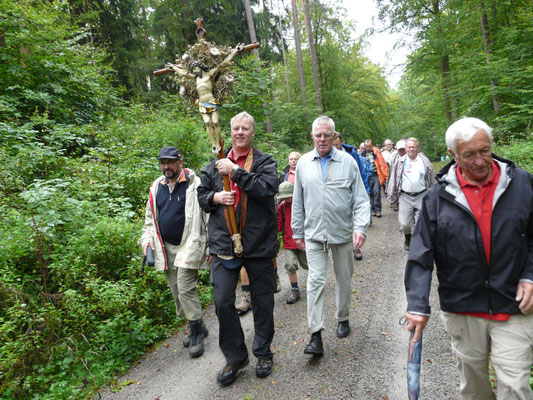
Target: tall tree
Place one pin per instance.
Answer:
(487, 43)
(312, 51)
(253, 38)
(298, 48)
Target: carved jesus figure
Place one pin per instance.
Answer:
(207, 104)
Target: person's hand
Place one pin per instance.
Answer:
(225, 166)
(209, 259)
(224, 198)
(145, 246)
(524, 294)
(300, 243)
(418, 322)
(358, 240)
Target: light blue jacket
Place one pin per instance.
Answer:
(333, 210)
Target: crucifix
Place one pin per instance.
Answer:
(205, 76)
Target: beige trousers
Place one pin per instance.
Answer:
(317, 259)
(510, 345)
(182, 283)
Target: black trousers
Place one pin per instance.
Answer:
(262, 287)
(375, 192)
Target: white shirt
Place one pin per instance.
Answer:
(413, 176)
(388, 155)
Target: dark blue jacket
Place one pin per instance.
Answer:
(363, 168)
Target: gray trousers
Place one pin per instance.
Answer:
(317, 259)
(409, 209)
(183, 283)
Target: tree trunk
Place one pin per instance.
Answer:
(253, 39)
(283, 56)
(311, 40)
(298, 51)
(444, 68)
(487, 44)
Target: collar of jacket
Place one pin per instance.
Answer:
(447, 177)
(334, 154)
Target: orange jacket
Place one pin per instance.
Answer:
(381, 166)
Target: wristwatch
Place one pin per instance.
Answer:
(234, 170)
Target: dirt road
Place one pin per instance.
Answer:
(368, 364)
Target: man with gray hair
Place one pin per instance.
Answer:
(254, 183)
(476, 226)
(412, 175)
(330, 210)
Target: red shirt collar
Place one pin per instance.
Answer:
(231, 155)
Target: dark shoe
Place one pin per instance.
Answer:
(358, 255)
(343, 329)
(229, 373)
(315, 346)
(378, 214)
(373, 214)
(187, 340)
(197, 336)
(278, 284)
(244, 304)
(263, 367)
(407, 243)
(294, 296)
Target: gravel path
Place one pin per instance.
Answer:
(368, 364)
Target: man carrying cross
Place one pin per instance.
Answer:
(254, 183)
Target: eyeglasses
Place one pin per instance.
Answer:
(323, 135)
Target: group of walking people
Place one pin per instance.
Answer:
(474, 221)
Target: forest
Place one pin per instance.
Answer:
(82, 118)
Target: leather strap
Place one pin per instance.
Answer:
(244, 198)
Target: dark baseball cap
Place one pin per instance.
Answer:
(170, 153)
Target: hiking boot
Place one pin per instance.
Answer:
(187, 340)
(245, 303)
(278, 283)
(229, 373)
(407, 243)
(294, 296)
(263, 367)
(198, 334)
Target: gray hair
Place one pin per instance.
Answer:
(243, 115)
(464, 130)
(412, 139)
(323, 120)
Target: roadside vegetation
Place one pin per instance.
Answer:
(82, 120)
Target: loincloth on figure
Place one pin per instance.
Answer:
(208, 107)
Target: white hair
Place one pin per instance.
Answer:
(243, 115)
(323, 120)
(464, 130)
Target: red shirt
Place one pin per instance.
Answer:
(291, 176)
(480, 202)
(240, 161)
(285, 213)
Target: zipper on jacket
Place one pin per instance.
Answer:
(487, 269)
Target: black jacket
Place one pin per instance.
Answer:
(447, 233)
(260, 236)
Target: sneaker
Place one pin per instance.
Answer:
(294, 296)
(263, 367)
(358, 254)
(245, 303)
